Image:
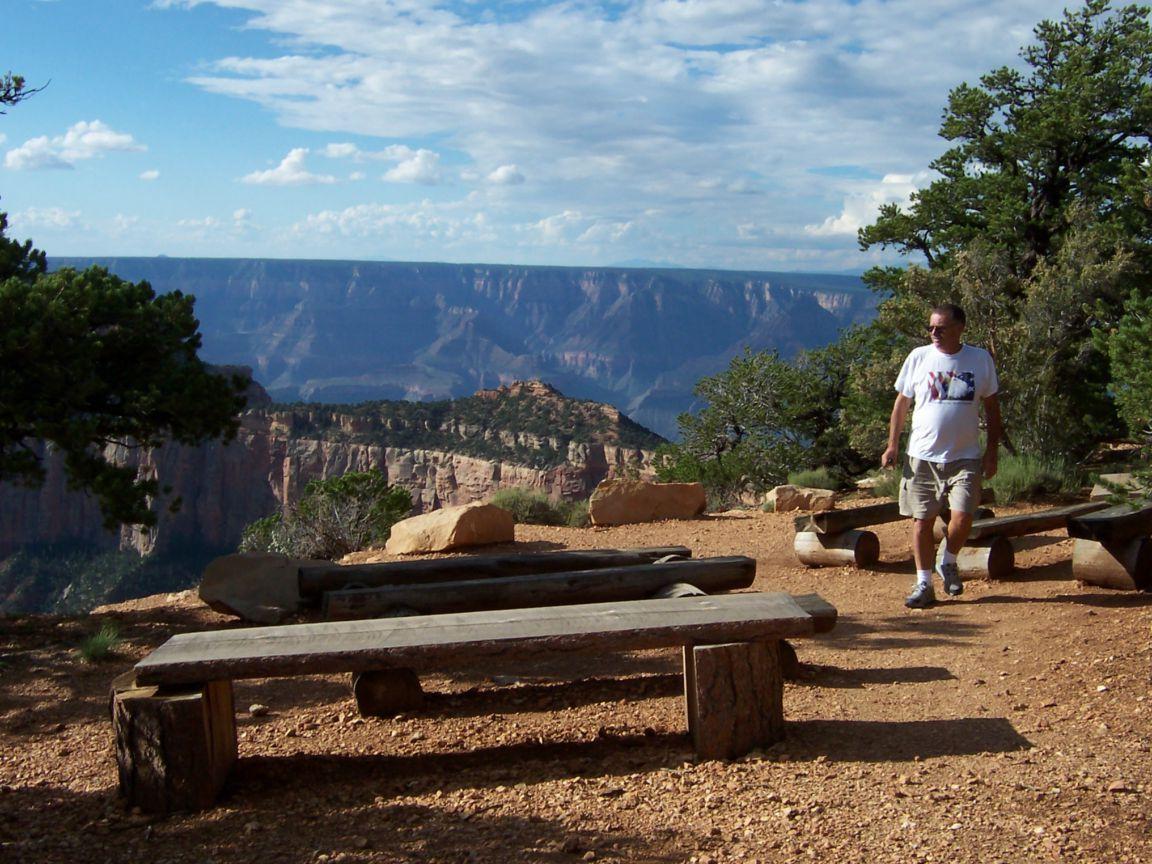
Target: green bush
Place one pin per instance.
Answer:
(578, 514)
(816, 478)
(529, 508)
(1025, 477)
(889, 485)
(101, 644)
(535, 508)
(332, 518)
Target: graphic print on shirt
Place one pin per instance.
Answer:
(951, 386)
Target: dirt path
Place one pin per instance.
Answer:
(1011, 724)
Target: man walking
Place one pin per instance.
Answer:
(947, 381)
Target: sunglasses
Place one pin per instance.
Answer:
(934, 328)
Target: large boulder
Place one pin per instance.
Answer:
(786, 498)
(622, 502)
(261, 587)
(475, 524)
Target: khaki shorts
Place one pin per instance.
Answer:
(925, 486)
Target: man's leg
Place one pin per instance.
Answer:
(924, 543)
(963, 498)
(920, 499)
(959, 526)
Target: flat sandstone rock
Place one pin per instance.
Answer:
(475, 524)
(623, 502)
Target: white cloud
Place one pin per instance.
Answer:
(150, 175)
(561, 227)
(506, 175)
(421, 167)
(83, 140)
(53, 218)
(709, 116)
(290, 172)
(422, 224)
(862, 207)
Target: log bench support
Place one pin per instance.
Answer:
(1125, 565)
(855, 548)
(387, 692)
(174, 745)
(734, 697)
(987, 558)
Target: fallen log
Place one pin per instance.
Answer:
(316, 579)
(604, 585)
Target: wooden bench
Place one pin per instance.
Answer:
(833, 537)
(173, 714)
(1113, 548)
(989, 553)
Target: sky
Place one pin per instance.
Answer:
(732, 134)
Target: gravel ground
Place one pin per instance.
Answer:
(1010, 724)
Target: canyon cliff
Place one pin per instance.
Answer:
(639, 339)
(525, 435)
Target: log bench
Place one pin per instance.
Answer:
(833, 537)
(174, 719)
(989, 554)
(1112, 547)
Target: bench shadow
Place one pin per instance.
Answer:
(1035, 541)
(913, 629)
(609, 755)
(552, 696)
(901, 741)
(837, 677)
(1117, 600)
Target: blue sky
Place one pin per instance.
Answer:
(705, 133)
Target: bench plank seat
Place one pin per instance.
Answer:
(835, 521)
(1031, 523)
(350, 646)
(1113, 525)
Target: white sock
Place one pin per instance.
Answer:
(923, 577)
(949, 557)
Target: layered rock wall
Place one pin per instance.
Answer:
(223, 488)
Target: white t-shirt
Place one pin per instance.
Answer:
(947, 390)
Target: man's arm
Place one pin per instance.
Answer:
(995, 428)
(895, 427)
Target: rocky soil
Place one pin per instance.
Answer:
(1008, 725)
